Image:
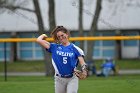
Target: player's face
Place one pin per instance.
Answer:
(62, 37)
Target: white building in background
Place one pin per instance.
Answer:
(122, 15)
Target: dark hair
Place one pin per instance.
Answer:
(57, 29)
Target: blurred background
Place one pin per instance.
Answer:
(30, 18)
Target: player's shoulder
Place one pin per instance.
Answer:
(78, 49)
(75, 46)
(54, 45)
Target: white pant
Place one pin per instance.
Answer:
(66, 85)
(106, 71)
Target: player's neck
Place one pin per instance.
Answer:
(65, 43)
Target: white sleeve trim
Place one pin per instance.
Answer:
(79, 50)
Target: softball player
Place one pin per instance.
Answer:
(65, 58)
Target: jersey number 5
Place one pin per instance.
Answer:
(65, 60)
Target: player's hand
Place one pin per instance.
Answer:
(44, 35)
(80, 74)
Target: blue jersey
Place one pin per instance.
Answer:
(108, 64)
(64, 58)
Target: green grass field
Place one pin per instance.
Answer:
(40, 84)
(39, 66)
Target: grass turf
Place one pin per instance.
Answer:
(39, 66)
(40, 84)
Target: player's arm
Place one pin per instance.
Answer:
(41, 40)
(82, 63)
(84, 72)
(81, 60)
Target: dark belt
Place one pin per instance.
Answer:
(65, 76)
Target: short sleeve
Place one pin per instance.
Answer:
(52, 47)
(78, 51)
